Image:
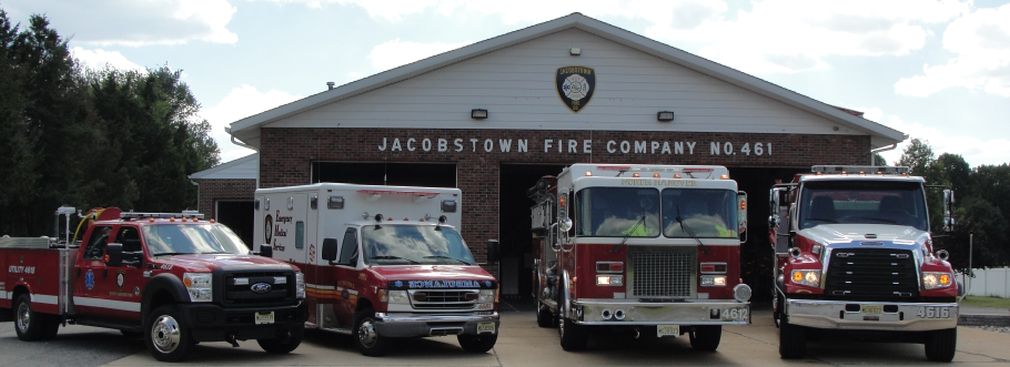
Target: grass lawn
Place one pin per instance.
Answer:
(979, 301)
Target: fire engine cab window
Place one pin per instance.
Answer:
(96, 246)
(413, 244)
(618, 212)
(176, 239)
(693, 213)
(349, 252)
(130, 238)
(898, 203)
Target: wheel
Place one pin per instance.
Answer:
(792, 343)
(31, 325)
(285, 343)
(941, 345)
(366, 337)
(545, 318)
(573, 336)
(705, 338)
(166, 337)
(480, 343)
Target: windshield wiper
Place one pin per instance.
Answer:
(680, 220)
(393, 257)
(461, 261)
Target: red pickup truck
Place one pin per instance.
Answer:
(175, 278)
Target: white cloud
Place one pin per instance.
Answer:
(390, 54)
(98, 59)
(976, 150)
(980, 42)
(242, 101)
(138, 23)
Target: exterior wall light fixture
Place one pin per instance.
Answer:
(478, 114)
(664, 116)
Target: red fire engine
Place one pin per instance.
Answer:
(382, 262)
(854, 256)
(174, 278)
(653, 248)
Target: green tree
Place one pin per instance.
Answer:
(918, 156)
(878, 160)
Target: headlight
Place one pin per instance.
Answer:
(934, 280)
(610, 280)
(200, 286)
(398, 297)
(713, 280)
(810, 278)
(486, 299)
(300, 285)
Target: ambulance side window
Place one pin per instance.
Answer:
(349, 250)
(96, 244)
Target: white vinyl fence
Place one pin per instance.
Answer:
(993, 282)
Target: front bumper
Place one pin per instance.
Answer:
(892, 316)
(701, 312)
(211, 322)
(404, 325)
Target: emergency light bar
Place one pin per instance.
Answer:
(424, 194)
(880, 170)
(184, 214)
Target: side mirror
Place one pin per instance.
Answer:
(774, 204)
(266, 250)
(741, 216)
(565, 225)
(330, 249)
(114, 252)
(493, 251)
(948, 213)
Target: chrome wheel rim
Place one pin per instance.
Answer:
(165, 334)
(24, 317)
(367, 335)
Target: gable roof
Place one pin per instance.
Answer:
(243, 168)
(247, 129)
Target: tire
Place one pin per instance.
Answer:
(573, 336)
(480, 343)
(545, 318)
(166, 337)
(365, 336)
(285, 343)
(31, 325)
(706, 338)
(792, 339)
(941, 345)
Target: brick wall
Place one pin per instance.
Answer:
(213, 190)
(286, 155)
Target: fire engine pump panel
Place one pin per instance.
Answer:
(382, 262)
(156, 275)
(651, 248)
(854, 253)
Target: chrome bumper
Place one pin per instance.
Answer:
(701, 312)
(403, 325)
(917, 316)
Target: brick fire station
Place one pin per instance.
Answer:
(493, 117)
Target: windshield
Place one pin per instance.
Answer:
(900, 203)
(699, 213)
(414, 244)
(175, 239)
(618, 212)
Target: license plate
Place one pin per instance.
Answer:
(264, 318)
(734, 314)
(485, 327)
(934, 312)
(667, 330)
(871, 309)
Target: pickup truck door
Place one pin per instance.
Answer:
(123, 285)
(90, 272)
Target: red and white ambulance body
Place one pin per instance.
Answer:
(174, 278)
(854, 254)
(382, 262)
(654, 248)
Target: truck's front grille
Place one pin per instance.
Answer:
(871, 274)
(259, 288)
(662, 273)
(444, 299)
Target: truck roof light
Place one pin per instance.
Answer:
(442, 219)
(655, 174)
(589, 173)
(636, 175)
(378, 217)
(677, 175)
(335, 202)
(724, 177)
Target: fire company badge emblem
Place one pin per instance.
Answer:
(575, 86)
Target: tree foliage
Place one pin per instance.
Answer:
(88, 138)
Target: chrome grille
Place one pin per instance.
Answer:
(662, 273)
(871, 274)
(443, 299)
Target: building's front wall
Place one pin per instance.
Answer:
(215, 190)
(287, 154)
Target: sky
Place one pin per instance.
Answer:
(938, 71)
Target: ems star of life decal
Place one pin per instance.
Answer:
(575, 86)
(120, 279)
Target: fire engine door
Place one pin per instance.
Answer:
(125, 281)
(94, 279)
